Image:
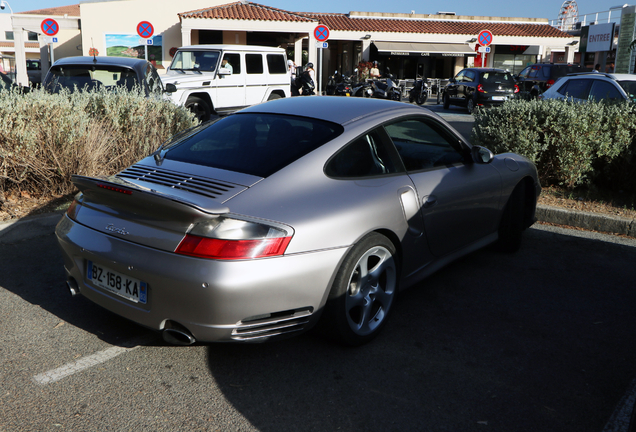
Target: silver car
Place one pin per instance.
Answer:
(288, 214)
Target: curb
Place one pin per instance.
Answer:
(587, 220)
(35, 226)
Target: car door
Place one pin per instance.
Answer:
(466, 88)
(256, 82)
(231, 87)
(453, 85)
(458, 198)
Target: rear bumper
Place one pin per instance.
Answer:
(215, 300)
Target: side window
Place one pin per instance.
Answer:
(603, 90)
(534, 71)
(524, 73)
(460, 76)
(276, 64)
(232, 62)
(254, 63)
(576, 88)
(469, 76)
(424, 144)
(366, 156)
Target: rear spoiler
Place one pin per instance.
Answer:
(116, 190)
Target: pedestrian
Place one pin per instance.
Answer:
(610, 69)
(374, 72)
(597, 68)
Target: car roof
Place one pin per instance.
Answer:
(227, 47)
(108, 61)
(597, 75)
(336, 109)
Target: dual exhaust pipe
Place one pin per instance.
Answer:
(173, 332)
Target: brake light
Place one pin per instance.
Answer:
(228, 238)
(516, 88)
(212, 248)
(114, 188)
(72, 210)
(480, 88)
(549, 83)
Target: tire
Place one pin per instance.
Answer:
(470, 105)
(273, 96)
(512, 225)
(439, 97)
(446, 101)
(421, 98)
(199, 108)
(363, 292)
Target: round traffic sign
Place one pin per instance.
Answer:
(50, 27)
(321, 33)
(145, 29)
(484, 38)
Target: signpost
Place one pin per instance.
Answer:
(145, 30)
(484, 38)
(50, 27)
(321, 33)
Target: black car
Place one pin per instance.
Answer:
(473, 87)
(7, 84)
(537, 78)
(89, 73)
(34, 71)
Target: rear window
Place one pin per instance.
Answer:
(496, 77)
(256, 144)
(87, 78)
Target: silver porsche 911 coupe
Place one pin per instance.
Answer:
(289, 214)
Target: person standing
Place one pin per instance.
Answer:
(374, 72)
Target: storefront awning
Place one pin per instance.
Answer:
(424, 49)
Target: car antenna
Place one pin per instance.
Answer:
(94, 53)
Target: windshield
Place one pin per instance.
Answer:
(202, 61)
(630, 89)
(251, 143)
(86, 78)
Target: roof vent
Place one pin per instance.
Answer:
(244, 1)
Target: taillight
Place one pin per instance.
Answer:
(549, 83)
(516, 88)
(227, 238)
(480, 88)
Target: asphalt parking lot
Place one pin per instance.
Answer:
(541, 340)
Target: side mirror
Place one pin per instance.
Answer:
(452, 80)
(170, 88)
(224, 71)
(482, 155)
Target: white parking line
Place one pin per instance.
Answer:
(79, 365)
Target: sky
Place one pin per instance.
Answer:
(500, 8)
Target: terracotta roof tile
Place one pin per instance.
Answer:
(71, 10)
(245, 10)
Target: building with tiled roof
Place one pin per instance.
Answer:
(435, 45)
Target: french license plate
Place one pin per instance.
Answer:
(117, 283)
(498, 98)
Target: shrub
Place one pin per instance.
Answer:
(571, 143)
(45, 138)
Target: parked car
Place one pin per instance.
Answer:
(7, 84)
(537, 78)
(34, 71)
(290, 213)
(200, 79)
(594, 86)
(473, 87)
(89, 73)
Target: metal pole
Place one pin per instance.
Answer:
(52, 53)
(319, 74)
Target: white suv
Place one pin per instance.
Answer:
(587, 86)
(216, 79)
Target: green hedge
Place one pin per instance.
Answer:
(46, 138)
(571, 143)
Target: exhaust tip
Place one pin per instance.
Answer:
(176, 334)
(73, 289)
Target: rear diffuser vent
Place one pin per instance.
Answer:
(272, 325)
(176, 180)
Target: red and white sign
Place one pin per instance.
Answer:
(484, 38)
(321, 33)
(50, 27)
(145, 29)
